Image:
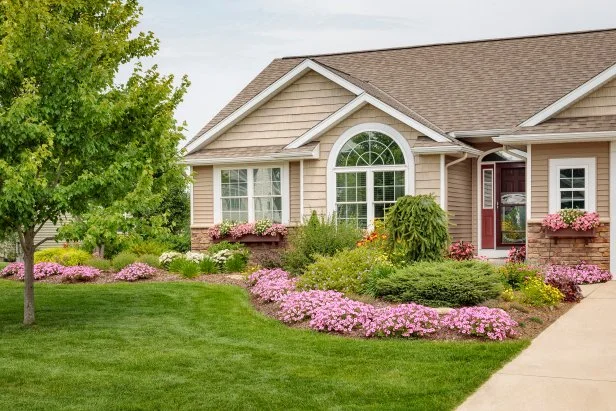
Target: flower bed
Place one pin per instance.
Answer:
(134, 272)
(581, 274)
(79, 273)
(576, 220)
(264, 229)
(331, 311)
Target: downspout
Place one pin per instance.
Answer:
(446, 169)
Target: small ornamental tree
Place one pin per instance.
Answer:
(72, 137)
(417, 228)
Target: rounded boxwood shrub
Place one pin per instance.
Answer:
(446, 283)
(417, 229)
(123, 259)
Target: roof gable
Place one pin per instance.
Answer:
(601, 102)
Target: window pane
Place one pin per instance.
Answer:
(235, 209)
(370, 148)
(388, 186)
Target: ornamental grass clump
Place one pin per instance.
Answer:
(271, 285)
(580, 274)
(491, 323)
(80, 273)
(134, 272)
(417, 229)
(404, 320)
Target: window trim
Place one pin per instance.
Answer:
(483, 189)
(590, 176)
(408, 167)
(284, 187)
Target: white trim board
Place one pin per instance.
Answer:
(613, 208)
(264, 96)
(572, 97)
(590, 186)
(549, 138)
(353, 106)
(304, 155)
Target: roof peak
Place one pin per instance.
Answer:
(307, 56)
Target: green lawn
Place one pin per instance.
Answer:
(3, 264)
(195, 346)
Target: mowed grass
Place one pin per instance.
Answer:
(190, 345)
(3, 264)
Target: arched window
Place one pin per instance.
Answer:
(370, 174)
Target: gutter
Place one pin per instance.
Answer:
(447, 150)
(548, 138)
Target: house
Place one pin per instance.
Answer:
(500, 131)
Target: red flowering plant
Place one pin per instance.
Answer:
(516, 255)
(461, 250)
(376, 238)
(578, 220)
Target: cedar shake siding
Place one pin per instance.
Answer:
(601, 102)
(287, 115)
(460, 200)
(203, 196)
(541, 153)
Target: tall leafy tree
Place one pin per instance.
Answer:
(70, 136)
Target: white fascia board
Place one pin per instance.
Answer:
(354, 105)
(265, 95)
(447, 150)
(572, 97)
(303, 155)
(556, 138)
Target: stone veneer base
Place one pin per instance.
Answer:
(568, 251)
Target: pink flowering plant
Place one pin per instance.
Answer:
(580, 274)
(134, 272)
(301, 305)
(261, 228)
(79, 273)
(516, 255)
(40, 270)
(491, 323)
(271, 285)
(13, 270)
(342, 316)
(461, 250)
(576, 219)
(404, 320)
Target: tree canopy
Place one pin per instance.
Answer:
(71, 137)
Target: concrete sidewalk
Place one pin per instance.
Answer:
(569, 366)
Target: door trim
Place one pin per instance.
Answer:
(497, 195)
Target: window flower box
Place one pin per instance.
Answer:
(570, 233)
(261, 231)
(252, 238)
(569, 223)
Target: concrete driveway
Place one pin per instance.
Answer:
(569, 366)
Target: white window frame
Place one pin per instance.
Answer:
(483, 187)
(284, 187)
(408, 167)
(590, 184)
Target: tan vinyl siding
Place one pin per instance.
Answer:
(294, 192)
(203, 196)
(315, 171)
(49, 230)
(541, 153)
(428, 175)
(601, 102)
(460, 200)
(289, 114)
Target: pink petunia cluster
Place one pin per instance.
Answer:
(271, 285)
(79, 273)
(405, 320)
(492, 323)
(554, 222)
(13, 269)
(301, 305)
(40, 270)
(134, 272)
(276, 229)
(581, 274)
(342, 316)
(239, 230)
(586, 222)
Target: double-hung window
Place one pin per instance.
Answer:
(572, 184)
(248, 194)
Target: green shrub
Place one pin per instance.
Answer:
(318, 236)
(123, 259)
(376, 274)
(539, 294)
(208, 266)
(514, 274)
(236, 263)
(347, 271)
(225, 245)
(99, 263)
(66, 256)
(446, 283)
(184, 267)
(149, 259)
(147, 247)
(416, 228)
(176, 242)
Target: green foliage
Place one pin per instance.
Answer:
(99, 263)
(66, 256)
(377, 273)
(226, 245)
(177, 242)
(148, 247)
(208, 266)
(569, 215)
(149, 259)
(347, 271)
(236, 263)
(123, 259)
(539, 294)
(318, 236)
(446, 283)
(514, 274)
(417, 228)
(184, 267)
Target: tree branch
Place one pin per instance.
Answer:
(43, 240)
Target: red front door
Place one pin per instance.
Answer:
(487, 206)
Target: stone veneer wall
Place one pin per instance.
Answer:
(568, 251)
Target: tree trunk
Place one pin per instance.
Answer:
(28, 248)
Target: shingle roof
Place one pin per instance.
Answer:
(486, 84)
(571, 125)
